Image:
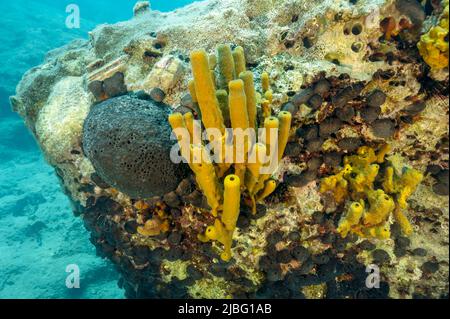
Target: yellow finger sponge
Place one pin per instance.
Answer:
(231, 201)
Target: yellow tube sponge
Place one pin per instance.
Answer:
(189, 122)
(285, 119)
(220, 234)
(239, 119)
(222, 97)
(257, 157)
(265, 82)
(191, 87)
(206, 177)
(237, 102)
(250, 93)
(381, 207)
(177, 121)
(212, 59)
(206, 92)
(269, 96)
(239, 60)
(268, 189)
(266, 108)
(271, 124)
(351, 218)
(226, 65)
(231, 201)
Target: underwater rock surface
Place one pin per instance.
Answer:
(351, 75)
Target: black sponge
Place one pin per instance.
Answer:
(128, 142)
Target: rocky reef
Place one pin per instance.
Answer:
(364, 176)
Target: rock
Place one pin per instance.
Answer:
(174, 238)
(421, 252)
(172, 200)
(345, 114)
(430, 267)
(347, 94)
(329, 126)
(384, 128)
(115, 85)
(284, 256)
(367, 245)
(402, 242)
(332, 159)
(315, 102)
(96, 88)
(350, 144)
(314, 163)
(308, 132)
(376, 98)
(415, 108)
(60, 122)
(412, 9)
(314, 145)
(441, 189)
(301, 254)
(322, 87)
(157, 95)
(303, 179)
(370, 114)
(290, 107)
(165, 74)
(443, 176)
(128, 142)
(302, 97)
(380, 257)
(293, 149)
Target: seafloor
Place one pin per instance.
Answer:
(356, 76)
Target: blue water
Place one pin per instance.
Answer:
(39, 236)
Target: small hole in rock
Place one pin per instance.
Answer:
(357, 29)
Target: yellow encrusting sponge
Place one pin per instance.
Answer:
(357, 181)
(433, 45)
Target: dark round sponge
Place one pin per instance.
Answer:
(128, 142)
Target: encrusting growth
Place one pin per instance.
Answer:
(368, 214)
(433, 45)
(235, 103)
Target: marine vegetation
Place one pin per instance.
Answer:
(236, 100)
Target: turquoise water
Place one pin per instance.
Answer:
(39, 236)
